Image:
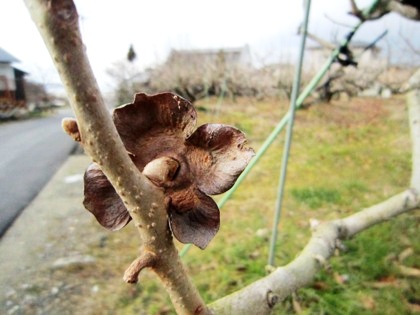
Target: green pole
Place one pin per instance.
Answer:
(289, 136)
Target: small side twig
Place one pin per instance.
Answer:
(147, 259)
(337, 22)
(320, 41)
(355, 11)
(409, 43)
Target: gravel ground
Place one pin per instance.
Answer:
(41, 250)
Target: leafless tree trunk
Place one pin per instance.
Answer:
(58, 24)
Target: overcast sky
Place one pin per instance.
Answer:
(155, 27)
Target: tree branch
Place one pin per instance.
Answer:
(260, 296)
(57, 22)
(408, 9)
(320, 41)
(413, 100)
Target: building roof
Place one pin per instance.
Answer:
(5, 57)
(239, 55)
(210, 51)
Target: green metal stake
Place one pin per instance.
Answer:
(221, 97)
(279, 127)
(289, 136)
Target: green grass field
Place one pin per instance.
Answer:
(345, 156)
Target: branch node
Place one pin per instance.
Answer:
(270, 268)
(146, 259)
(272, 299)
(199, 310)
(415, 194)
(314, 223)
(355, 11)
(342, 231)
(322, 262)
(340, 245)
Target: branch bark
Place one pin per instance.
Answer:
(260, 296)
(57, 21)
(408, 9)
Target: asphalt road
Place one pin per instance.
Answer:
(31, 151)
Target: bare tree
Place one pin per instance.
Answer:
(126, 79)
(197, 74)
(147, 203)
(407, 8)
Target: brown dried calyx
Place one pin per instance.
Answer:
(158, 132)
